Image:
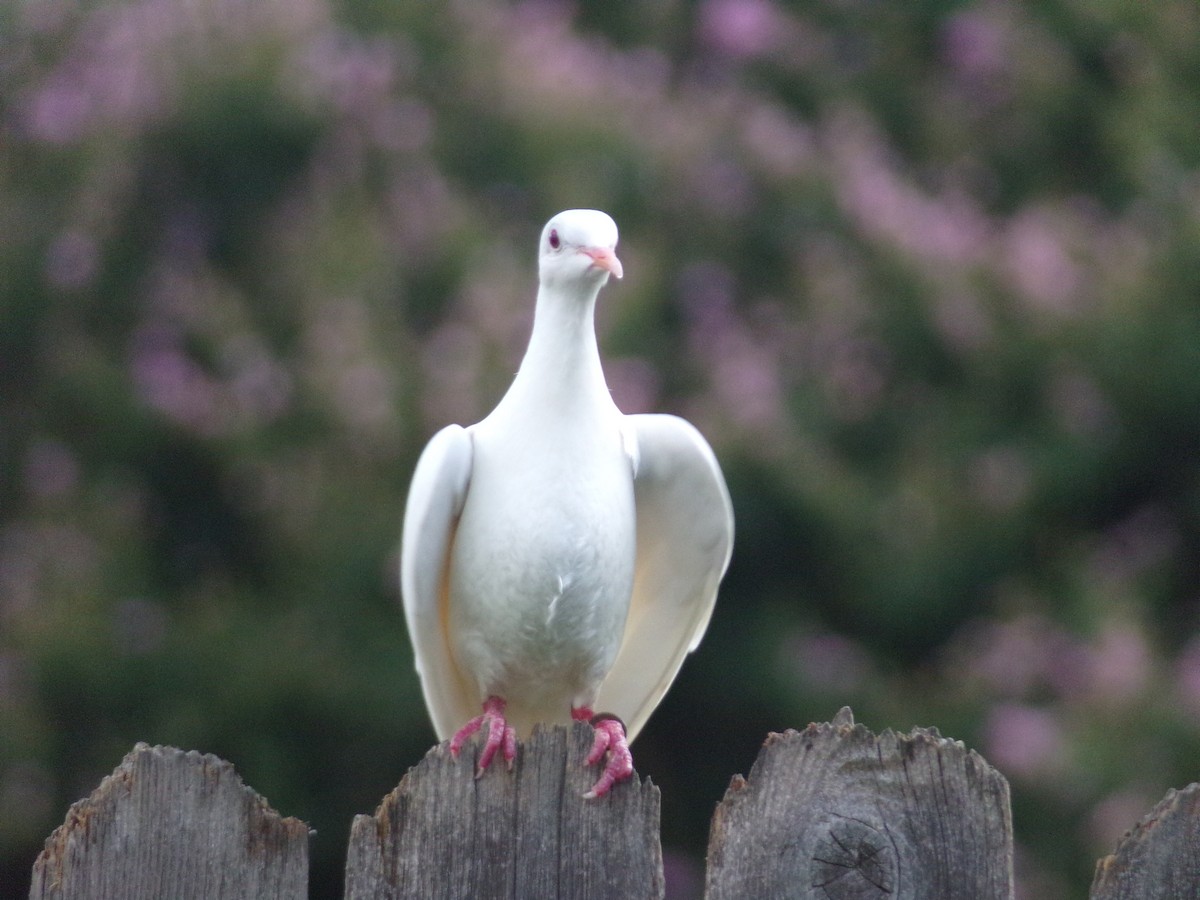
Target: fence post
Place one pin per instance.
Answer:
(442, 833)
(831, 813)
(1159, 857)
(167, 823)
(836, 812)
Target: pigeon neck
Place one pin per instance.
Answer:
(563, 358)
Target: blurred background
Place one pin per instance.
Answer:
(926, 274)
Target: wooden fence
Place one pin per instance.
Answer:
(832, 812)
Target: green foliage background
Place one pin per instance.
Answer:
(926, 274)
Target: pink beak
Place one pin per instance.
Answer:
(604, 258)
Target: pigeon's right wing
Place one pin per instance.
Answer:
(435, 501)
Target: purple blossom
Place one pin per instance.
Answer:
(1114, 815)
(826, 661)
(355, 74)
(634, 384)
(975, 44)
(742, 29)
(942, 232)
(1030, 654)
(781, 144)
(1121, 666)
(124, 64)
(1024, 741)
(59, 112)
(1187, 676)
(109, 76)
(1011, 658)
(743, 368)
(1038, 264)
(683, 875)
(169, 381)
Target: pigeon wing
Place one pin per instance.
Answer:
(684, 539)
(435, 501)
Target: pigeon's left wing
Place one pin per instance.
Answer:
(435, 501)
(684, 539)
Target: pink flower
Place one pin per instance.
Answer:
(1038, 263)
(740, 28)
(1024, 741)
(974, 45)
(826, 661)
(1121, 665)
(1187, 675)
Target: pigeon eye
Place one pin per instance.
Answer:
(554, 241)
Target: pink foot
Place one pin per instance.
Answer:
(610, 741)
(499, 735)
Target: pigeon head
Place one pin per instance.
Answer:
(578, 247)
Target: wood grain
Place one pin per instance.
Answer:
(835, 812)
(1159, 858)
(167, 823)
(442, 833)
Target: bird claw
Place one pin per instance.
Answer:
(500, 736)
(611, 741)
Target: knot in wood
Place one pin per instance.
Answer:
(853, 861)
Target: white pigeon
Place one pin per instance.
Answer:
(559, 557)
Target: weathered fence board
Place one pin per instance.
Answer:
(1159, 859)
(442, 833)
(173, 824)
(836, 812)
(831, 813)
